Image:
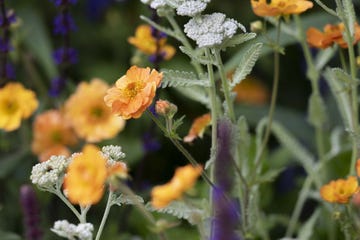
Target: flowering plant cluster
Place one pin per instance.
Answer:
(224, 158)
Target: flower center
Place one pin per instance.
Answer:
(56, 137)
(132, 89)
(10, 107)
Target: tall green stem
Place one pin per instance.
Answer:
(272, 102)
(58, 193)
(105, 215)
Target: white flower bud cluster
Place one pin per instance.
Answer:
(112, 152)
(47, 174)
(211, 29)
(183, 7)
(82, 231)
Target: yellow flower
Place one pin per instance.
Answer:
(279, 7)
(148, 44)
(133, 92)
(86, 176)
(52, 133)
(332, 34)
(88, 114)
(251, 91)
(16, 103)
(340, 190)
(183, 179)
(198, 127)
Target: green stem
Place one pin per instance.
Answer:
(225, 84)
(58, 193)
(272, 102)
(127, 191)
(105, 215)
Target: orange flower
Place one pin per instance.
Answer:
(117, 169)
(16, 103)
(183, 179)
(251, 91)
(88, 114)
(279, 7)
(52, 133)
(86, 176)
(340, 190)
(198, 127)
(148, 44)
(332, 34)
(357, 167)
(133, 92)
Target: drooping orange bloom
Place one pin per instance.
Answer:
(357, 167)
(279, 7)
(198, 127)
(148, 44)
(86, 176)
(251, 91)
(133, 92)
(183, 179)
(52, 135)
(16, 103)
(332, 34)
(340, 190)
(88, 114)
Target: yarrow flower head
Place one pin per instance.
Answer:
(48, 174)
(211, 29)
(183, 7)
(88, 114)
(147, 43)
(183, 179)
(52, 135)
(113, 152)
(16, 103)
(276, 8)
(340, 190)
(134, 92)
(82, 231)
(331, 34)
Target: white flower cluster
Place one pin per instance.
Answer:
(112, 152)
(183, 7)
(211, 29)
(82, 231)
(47, 174)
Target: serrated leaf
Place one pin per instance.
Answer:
(123, 199)
(195, 93)
(338, 88)
(174, 78)
(181, 210)
(198, 55)
(237, 39)
(350, 17)
(316, 110)
(246, 64)
(307, 229)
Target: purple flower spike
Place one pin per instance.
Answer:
(63, 24)
(31, 213)
(57, 84)
(10, 18)
(5, 45)
(63, 2)
(65, 55)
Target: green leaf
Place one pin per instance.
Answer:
(324, 56)
(350, 17)
(198, 55)
(181, 210)
(174, 78)
(123, 199)
(316, 110)
(339, 81)
(269, 176)
(195, 93)
(307, 229)
(237, 39)
(246, 64)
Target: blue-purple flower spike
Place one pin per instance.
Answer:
(64, 56)
(226, 212)
(7, 17)
(31, 213)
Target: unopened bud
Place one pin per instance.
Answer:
(256, 26)
(165, 108)
(358, 61)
